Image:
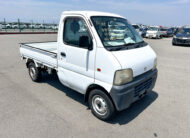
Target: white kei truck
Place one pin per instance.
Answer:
(99, 55)
(154, 32)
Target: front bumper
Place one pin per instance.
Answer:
(181, 41)
(123, 96)
(151, 35)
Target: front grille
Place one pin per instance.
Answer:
(183, 41)
(143, 86)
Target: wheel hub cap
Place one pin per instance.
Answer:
(99, 105)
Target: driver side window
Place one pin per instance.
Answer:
(74, 30)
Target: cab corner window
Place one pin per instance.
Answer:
(76, 33)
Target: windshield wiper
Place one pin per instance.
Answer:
(131, 45)
(120, 47)
(142, 43)
(127, 46)
(115, 48)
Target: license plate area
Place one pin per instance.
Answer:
(143, 87)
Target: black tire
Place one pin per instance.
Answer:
(110, 109)
(34, 72)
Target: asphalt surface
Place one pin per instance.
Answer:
(51, 110)
(28, 30)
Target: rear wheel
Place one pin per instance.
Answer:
(34, 72)
(101, 105)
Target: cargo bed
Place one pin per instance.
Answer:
(43, 53)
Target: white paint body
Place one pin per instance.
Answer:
(78, 70)
(154, 33)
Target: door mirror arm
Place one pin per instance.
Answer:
(90, 46)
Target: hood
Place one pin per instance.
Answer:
(140, 60)
(183, 35)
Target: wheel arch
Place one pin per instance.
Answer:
(96, 86)
(29, 60)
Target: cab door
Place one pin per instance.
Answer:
(76, 61)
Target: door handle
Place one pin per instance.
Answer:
(63, 54)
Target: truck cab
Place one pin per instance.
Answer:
(99, 55)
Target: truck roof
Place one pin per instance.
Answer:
(92, 13)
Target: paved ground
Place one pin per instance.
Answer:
(28, 30)
(48, 109)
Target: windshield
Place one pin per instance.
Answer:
(184, 31)
(115, 32)
(153, 29)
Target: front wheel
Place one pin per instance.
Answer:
(101, 105)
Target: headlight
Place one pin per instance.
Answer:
(155, 64)
(175, 36)
(123, 76)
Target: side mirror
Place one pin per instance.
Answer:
(84, 42)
